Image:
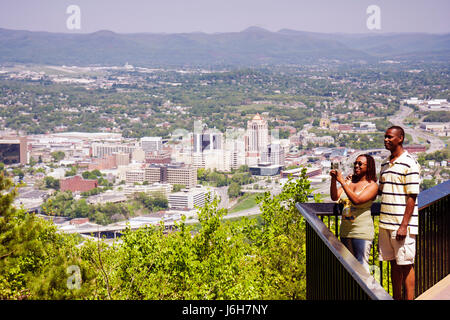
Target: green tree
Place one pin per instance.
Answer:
(234, 190)
(51, 183)
(178, 187)
(34, 257)
(57, 156)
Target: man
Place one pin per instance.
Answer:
(399, 187)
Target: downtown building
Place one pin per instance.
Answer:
(164, 173)
(257, 140)
(14, 150)
(187, 199)
(151, 144)
(77, 184)
(208, 150)
(102, 150)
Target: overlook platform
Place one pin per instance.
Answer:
(333, 273)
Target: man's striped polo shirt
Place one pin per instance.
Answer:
(397, 180)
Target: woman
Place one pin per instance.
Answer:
(357, 195)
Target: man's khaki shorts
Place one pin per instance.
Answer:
(403, 252)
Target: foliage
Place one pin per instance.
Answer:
(243, 259)
(57, 155)
(234, 190)
(33, 255)
(427, 184)
(72, 171)
(437, 116)
(153, 202)
(222, 260)
(51, 183)
(178, 187)
(64, 204)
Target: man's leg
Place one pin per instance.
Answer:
(402, 275)
(409, 280)
(397, 280)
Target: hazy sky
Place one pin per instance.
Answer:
(176, 16)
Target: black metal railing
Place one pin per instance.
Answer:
(332, 272)
(328, 280)
(433, 241)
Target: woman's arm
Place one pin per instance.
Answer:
(335, 193)
(369, 193)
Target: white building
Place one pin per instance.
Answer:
(257, 139)
(101, 150)
(156, 188)
(187, 199)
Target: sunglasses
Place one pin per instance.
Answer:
(359, 163)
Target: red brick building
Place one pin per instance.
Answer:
(414, 148)
(77, 183)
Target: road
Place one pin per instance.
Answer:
(398, 120)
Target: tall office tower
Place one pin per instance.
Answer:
(273, 155)
(258, 139)
(206, 141)
(207, 149)
(235, 147)
(150, 144)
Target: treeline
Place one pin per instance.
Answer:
(437, 116)
(219, 179)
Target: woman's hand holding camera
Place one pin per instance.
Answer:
(336, 174)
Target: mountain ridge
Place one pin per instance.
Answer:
(250, 47)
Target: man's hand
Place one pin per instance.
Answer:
(401, 233)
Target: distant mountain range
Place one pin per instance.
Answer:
(251, 47)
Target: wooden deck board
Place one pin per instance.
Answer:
(440, 291)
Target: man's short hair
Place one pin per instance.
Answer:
(402, 132)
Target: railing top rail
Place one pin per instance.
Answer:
(430, 196)
(370, 286)
(331, 208)
(425, 199)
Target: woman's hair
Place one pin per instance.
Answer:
(371, 172)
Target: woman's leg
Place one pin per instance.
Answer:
(361, 250)
(347, 242)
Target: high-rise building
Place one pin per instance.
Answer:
(207, 150)
(257, 139)
(274, 154)
(150, 144)
(258, 134)
(13, 150)
(235, 147)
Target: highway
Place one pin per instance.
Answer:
(398, 120)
